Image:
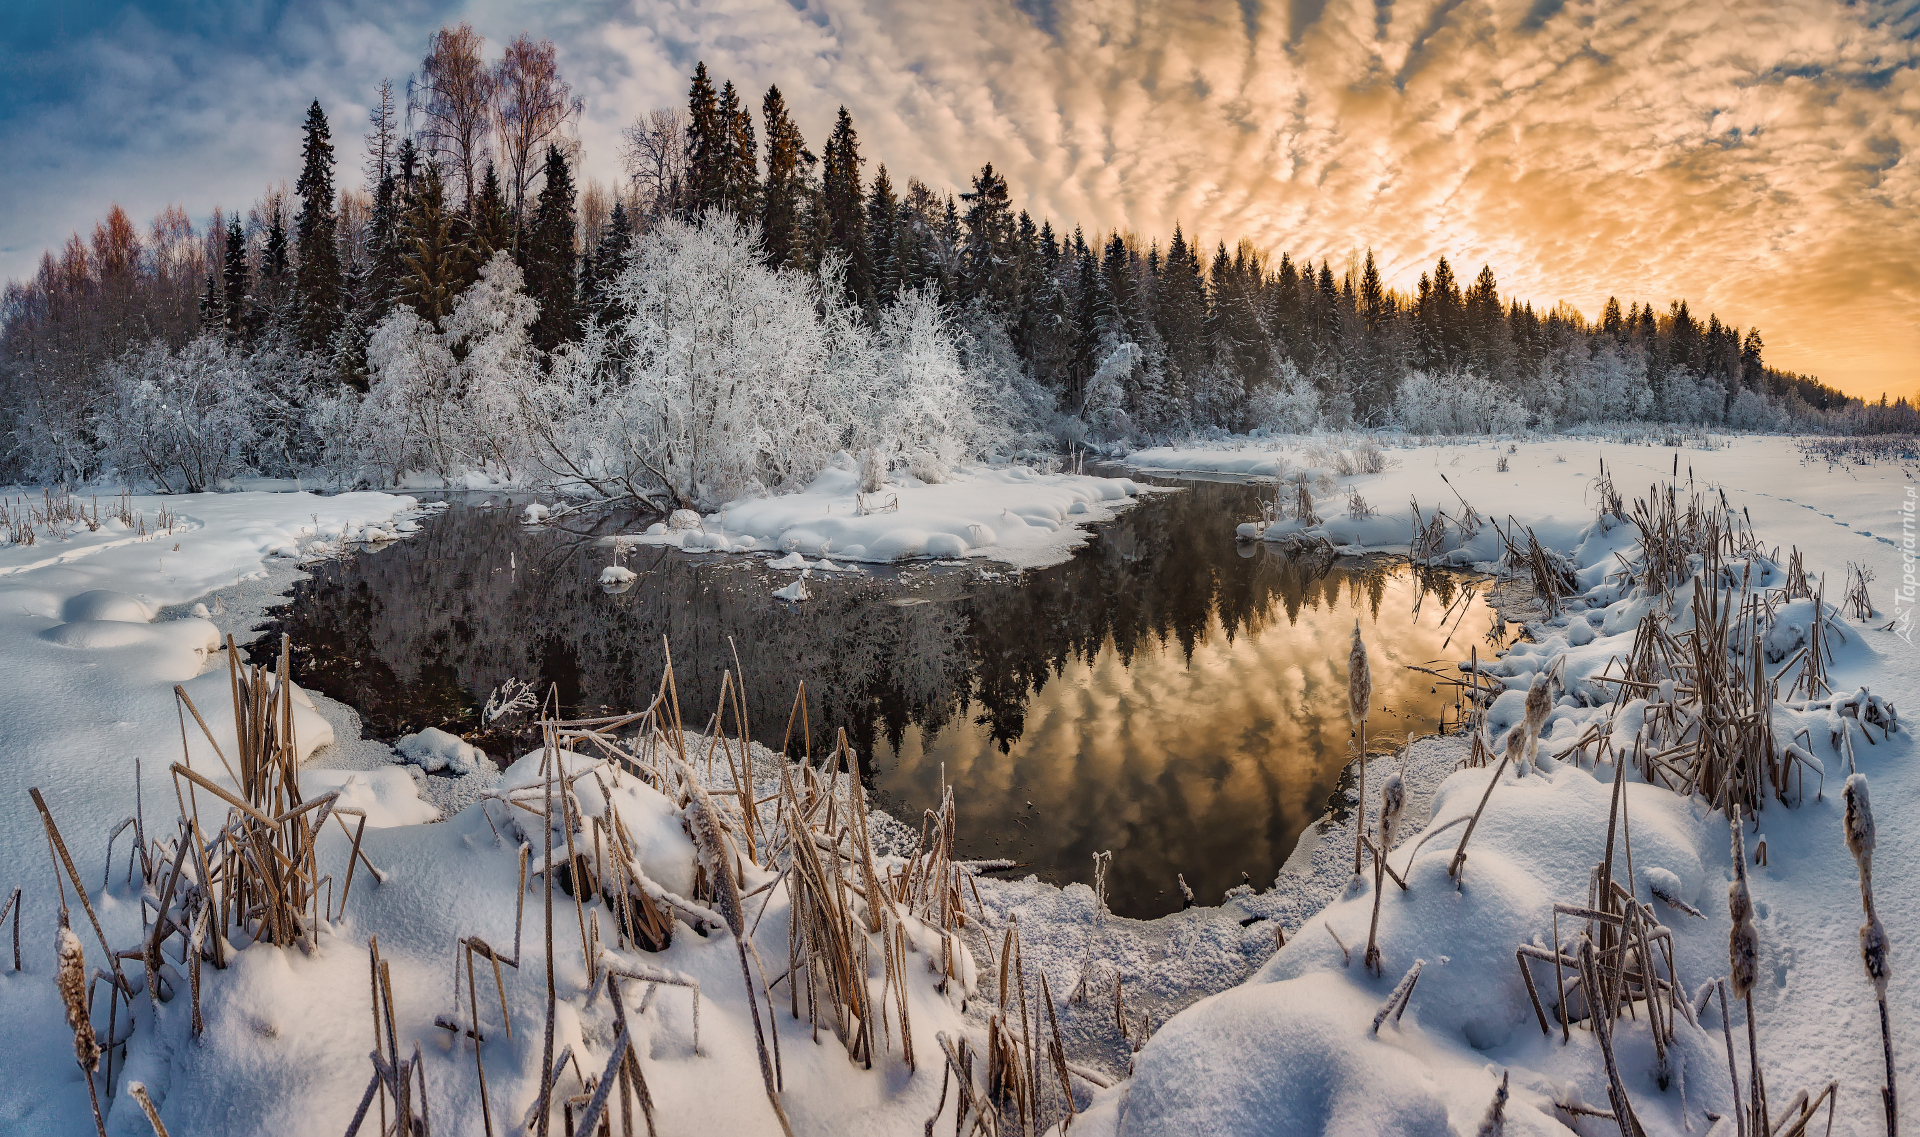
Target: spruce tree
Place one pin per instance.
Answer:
(782, 199)
(706, 145)
(883, 210)
(740, 191)
(319, 282)
(434, 260)
(986, 264)
(550, 256)
(234, 274)
(845, 207)
(491, 223)
(609, 257)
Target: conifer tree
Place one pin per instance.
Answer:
(609, 257)
(986, 264)
(550, 256)
(491, 223)
(319, 280)
(234, 277)
(706, 144)
(845, 209)
(740, 192)
(434, 260)
(782, 199)
(883, 210)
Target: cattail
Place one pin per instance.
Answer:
(1743, 942)
(1516, 750)
(1873, 936)
(1393, 799)
(71, 977)
(1359, 679)
(1495, 1122)
(1359, 702)
(1538, 704)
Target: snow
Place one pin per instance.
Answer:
(795, 591)
(95, 631)
(434, 750)
(616, 575)
(1288, 1050)
(1011, 513)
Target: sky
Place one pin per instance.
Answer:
(1761, 160)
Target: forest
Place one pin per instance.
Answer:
(738, 309)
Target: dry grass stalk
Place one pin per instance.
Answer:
(1873, 937)
(13, 905)
(138, 1090)
(1397, 999)
(1359, 706)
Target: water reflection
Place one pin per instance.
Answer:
(1166, 694)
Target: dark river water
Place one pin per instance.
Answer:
(1166, 694)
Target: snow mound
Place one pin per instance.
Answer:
(434, 750)
(796, 592)
(536, 513)
(1288, 1057)
(616, 574)
(105, 604)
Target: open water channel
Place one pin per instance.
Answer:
(1167, 694)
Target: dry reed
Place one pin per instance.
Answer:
(1873, 937)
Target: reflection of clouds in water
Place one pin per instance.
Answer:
(1081, 669)
(1207, 764)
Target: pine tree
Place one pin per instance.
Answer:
(550, 256)
(234, 276)
(706, 145)
(319, 282)
(782, 203)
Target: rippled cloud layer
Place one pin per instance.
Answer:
(1757, 159)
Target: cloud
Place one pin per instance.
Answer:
(1757, 160)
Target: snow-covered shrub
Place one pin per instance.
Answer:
(179, 419)
(731, 375)
(411, 419)
(1290, 405)
(924, 401)
(1456, 402)
(487, 332)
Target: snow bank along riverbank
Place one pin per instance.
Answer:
(1011, 513)
(826, 941)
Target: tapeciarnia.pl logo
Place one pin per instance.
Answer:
(1904, 595)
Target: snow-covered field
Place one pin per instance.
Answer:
(1281, 1044)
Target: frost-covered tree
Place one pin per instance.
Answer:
(181, 420)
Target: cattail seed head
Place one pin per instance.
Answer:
(1860, 832)
(1516, 749)
(1359, 679)
(71, 978)
(1873, 954)
(1393, 799)
(1538, 703)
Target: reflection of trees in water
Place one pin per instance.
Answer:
(418, 633)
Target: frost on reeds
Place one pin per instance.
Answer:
(1359, 705)
(1873, 937)
(1539, 703)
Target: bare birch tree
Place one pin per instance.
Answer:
(533, 106)
(455, 93)
(656, 158)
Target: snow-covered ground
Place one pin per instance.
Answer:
(1010, 513)
(1281, 1042)
(1291, 1049)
